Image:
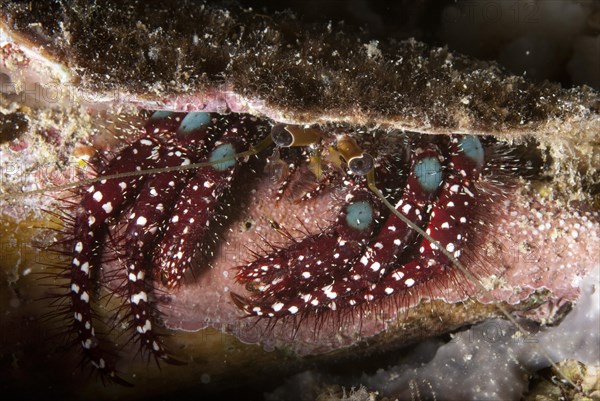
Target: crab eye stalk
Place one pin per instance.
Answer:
(285, 136)
(359, 163)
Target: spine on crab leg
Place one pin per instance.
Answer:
(151, 210)
(282, 282)
(101, 202)
(449, 224)
(198, 202)
(395, 236)
(349, 274)
(447, 219)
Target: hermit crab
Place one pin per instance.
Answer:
(325, 190)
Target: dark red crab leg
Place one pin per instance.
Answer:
(101, 202)
(451, 215)
(290, 280)
(348, 274)
(283, 281)
(395, 236)
(393, 273)
(153, 207)
(449, 225)
(198, 202)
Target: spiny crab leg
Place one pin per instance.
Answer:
(193, 136)
(448, 224)
(197, 204)
(321, 286)
(101, 202)
(271, 275)
(395, 236)
(106, 200)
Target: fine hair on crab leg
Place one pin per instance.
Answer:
(289, 280)
(339, 276)
(449, 223)
(279, 277)
(99, 203)
(193, 135)
(358, 273)
(423, 181)
(198, 202)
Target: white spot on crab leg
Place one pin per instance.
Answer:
(398, 276)
(329, 293)
(145, 328)
(85, 268)
(85, 297)
(107, 207)
(468, 192)
(140, 296)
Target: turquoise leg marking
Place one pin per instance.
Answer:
(194, 121)
(359, 215)
(159, 114)
(224, 151)
(471, 147)
(429, 173)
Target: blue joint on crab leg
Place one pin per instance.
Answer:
(160, 114)
(395, 236)
(224, 152)
(194, 121)
(429, 173)
(359, 215)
